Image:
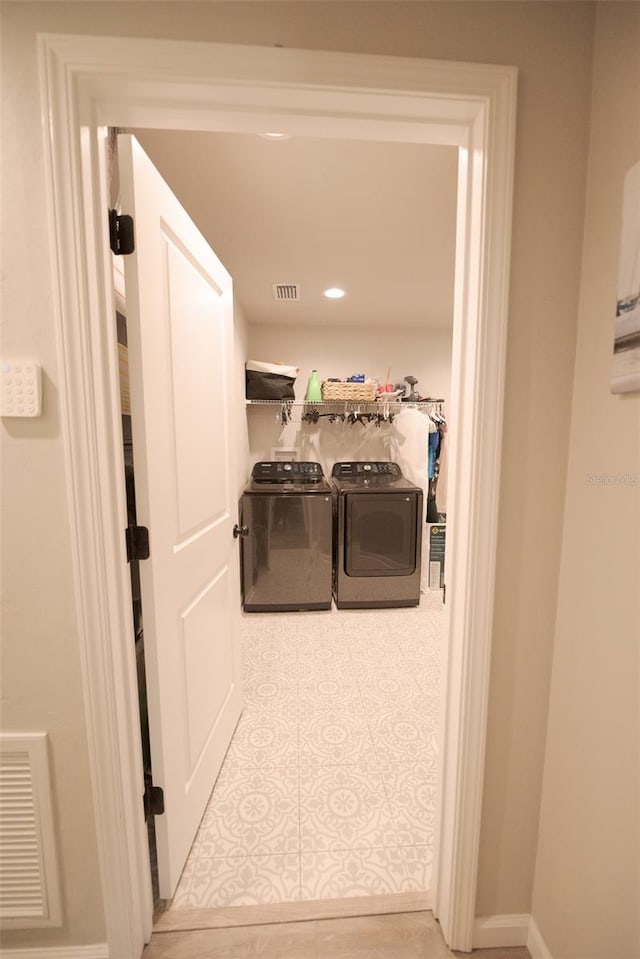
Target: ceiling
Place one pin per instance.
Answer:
(377, 219)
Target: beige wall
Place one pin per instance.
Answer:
(551, 43)
(587, 897)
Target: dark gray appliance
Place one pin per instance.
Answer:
(377, 541)
(286, 511)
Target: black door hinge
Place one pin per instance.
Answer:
(153, 799)
(137, 543)
(121, 233)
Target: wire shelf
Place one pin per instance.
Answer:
(378, 412)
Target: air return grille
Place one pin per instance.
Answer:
(29, 891)
(286, 291)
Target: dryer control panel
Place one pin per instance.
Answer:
(361, 470)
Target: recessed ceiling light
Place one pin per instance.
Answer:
(334, 293)
(274, 136)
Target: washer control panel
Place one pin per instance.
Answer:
(294, 472)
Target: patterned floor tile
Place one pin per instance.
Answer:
(328, 786)
(334, 739)
(185, 880)
(245, 881)
(411, 793)
(313, 676)
(383, 690)
(255, 812)
(354, 621)
(263, 625)
(321, 711)
(353, 872)
(375, 652)
(402, 735)
(263, 739)
(418, 861)
(428, 680)
(424, 641)
(366, 669)
(325, 656)
(270, 657)
(344, 807)
(301, 626)
(271, 692)
(331, 692)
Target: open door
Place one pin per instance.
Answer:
(180, 334)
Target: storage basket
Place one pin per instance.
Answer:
(366, 392)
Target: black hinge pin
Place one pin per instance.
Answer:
(153, 799)
(121, 237)
(137, 538)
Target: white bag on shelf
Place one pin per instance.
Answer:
(269, 381)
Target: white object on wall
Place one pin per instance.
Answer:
(21, 388)
(284, 454)
(29, 883)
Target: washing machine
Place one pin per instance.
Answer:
(286, 529)
(377, 536)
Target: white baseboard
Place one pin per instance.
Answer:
(98, 951)
(494, 931)
(536, 944)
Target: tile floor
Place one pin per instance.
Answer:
(413, 935)
(327, 790)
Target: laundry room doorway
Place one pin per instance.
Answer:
(177, 86)
(343, 705)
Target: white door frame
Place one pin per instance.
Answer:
(89, 83)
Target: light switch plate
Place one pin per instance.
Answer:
(21, 388)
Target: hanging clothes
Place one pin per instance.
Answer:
(437, 431)
(434, 449)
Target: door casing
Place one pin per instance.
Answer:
(91, 83)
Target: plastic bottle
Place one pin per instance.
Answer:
(314, 388)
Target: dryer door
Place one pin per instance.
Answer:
(380, 535)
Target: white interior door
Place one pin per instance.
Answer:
(180, 334)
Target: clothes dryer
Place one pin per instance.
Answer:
(377, 536)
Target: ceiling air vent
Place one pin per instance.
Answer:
(286, 291)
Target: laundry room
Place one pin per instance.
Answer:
(293, 217)
(327, 788)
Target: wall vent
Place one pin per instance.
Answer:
(29, 886)
(286, 291)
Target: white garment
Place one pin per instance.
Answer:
(409, 446)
